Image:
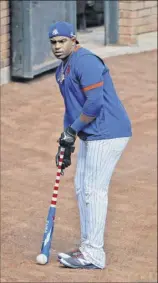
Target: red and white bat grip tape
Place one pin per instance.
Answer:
(56, 185)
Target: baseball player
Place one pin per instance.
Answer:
(95, 114)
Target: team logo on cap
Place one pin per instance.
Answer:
(55, 32)
(71, 34)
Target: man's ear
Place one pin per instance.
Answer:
(74, 40)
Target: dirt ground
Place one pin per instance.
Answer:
(30, 125)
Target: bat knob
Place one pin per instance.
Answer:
(41, 259)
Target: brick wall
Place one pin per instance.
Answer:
(4, 34)
(136, 17)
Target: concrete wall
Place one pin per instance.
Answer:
(4, 41)
(136, 17)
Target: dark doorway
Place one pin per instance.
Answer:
(89, 14)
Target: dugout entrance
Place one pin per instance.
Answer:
(30, 48)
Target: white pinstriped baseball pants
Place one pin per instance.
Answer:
(95, 165)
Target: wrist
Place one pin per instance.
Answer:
(78, 125)
(71, 131)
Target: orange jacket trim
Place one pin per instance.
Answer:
(92, 86)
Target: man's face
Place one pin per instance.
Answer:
(62, 46)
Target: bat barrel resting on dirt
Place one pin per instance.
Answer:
(43, 257)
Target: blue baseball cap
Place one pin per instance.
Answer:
(62, 29)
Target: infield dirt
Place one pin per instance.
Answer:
(31, 122)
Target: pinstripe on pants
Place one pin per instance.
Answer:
(95, 165)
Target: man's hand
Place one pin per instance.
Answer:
(67, 156)
(67, 138)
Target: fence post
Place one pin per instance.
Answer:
(111, 15)
(106, 21)
(114, 16)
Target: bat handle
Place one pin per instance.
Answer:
(62, 150)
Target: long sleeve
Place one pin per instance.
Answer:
(89, 72)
